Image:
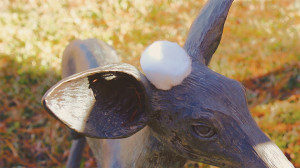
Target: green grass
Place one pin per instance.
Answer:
(259, 38)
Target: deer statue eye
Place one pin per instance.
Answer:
(203, 130)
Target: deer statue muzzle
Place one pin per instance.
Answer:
(134, 120)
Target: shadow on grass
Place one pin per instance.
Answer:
(279, 84)
(28, 135)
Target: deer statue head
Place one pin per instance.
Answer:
(189, 110)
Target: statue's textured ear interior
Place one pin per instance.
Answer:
(107, 102)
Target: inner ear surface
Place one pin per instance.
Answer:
(120, 105)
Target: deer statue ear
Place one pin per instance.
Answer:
(206, 32)
(106, 102)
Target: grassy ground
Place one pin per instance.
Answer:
(260, 47)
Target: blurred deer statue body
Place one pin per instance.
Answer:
(129, 121)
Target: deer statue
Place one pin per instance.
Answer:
(177, 110)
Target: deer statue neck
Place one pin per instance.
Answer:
(142, 149)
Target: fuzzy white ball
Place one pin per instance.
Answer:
(165, 64)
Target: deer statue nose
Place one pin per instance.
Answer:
(267, 154)
(272, 156)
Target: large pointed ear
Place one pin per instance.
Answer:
(106, 102)
(206, 32)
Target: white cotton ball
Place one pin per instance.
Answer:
(165, 64)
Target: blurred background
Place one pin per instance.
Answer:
(260, 47)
